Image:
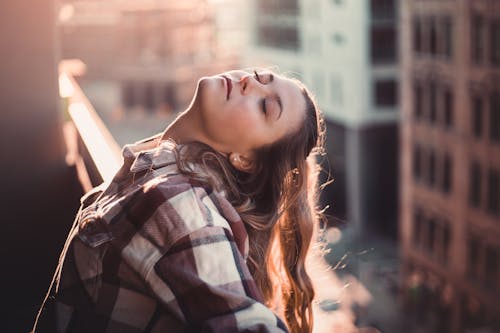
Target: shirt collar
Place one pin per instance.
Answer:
(148, 154)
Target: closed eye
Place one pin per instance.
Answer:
(260, 79)
(263, 106)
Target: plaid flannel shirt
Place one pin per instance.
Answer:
(154, 251)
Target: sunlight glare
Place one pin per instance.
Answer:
(66, 12)
(104, 157)
(66, 88)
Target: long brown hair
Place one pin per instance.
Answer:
(278, 203)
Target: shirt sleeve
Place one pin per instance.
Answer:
(212, 285)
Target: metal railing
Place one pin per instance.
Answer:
(90, 146)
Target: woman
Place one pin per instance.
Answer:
(204, 223)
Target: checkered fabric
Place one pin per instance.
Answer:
(154, 251)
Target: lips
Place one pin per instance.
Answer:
(229, 85)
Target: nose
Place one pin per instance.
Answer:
(248, 83)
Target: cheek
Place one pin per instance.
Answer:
(245, 113)
(243, 125)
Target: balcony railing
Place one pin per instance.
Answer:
(90, 146)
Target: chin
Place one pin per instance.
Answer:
(202, 90)
(203, 99)
(207, 90)
(208, 82)
(203, 87)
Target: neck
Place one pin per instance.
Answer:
(185, 128)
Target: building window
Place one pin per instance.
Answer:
(383, 44)
(495, 42)
(383, 9)
(385, 93)
(475, 185)
(477, 116)
(472, 256)
(492, 260)
(417, 35)
(417, 162)
(448, 108)
(448, 37)
(418, 220)
(477, 33)
(149, 97)
(495, 116)
(493, 196)
(418, 99)
(432, 36)
(169, 97)
(447, 173)
(431, 240)
(446, 241)
(338, 38)
(128, 95)
(432, 168)
(278, 7)
(432, 102)
(276, 36)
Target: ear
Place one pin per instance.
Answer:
(241, 162)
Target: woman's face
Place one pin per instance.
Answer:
(241, 111)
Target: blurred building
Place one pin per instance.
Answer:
(450, 163)
(345, 52)
(231, 25)
(156, 50)
(88, 30)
